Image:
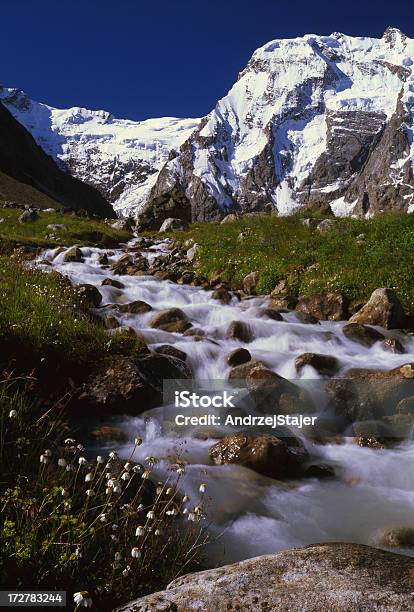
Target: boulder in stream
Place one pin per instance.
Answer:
(325, 306)
(136, 307)
(74, 254)
(383, 308)
(89, 295)
(238, 357)
(266, 454)
(171, 320)
(363, 334)
(238, 330)
(323, 364)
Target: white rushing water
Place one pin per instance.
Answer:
(373, 490)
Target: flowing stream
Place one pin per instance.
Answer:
(253, 514)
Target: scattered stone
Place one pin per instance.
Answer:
(137, 307)
(122, 225)
(171, 320)
(271, 313)
(268, 455)
(192, 252)
(281, 288)
(89, 295)
(168, 349)
(57, 227)
(266, 388)
(105, 433)
(238, 357)
(396, 537)
(307, 319)
(383, 308)
(328, 577)
(113, 283)
(238, 330)
(325, 306)
(319, 471)
(250, 283)
(229, 218)
(360, 239)
(363, 334)
(310, 222)
(103, 259)
(110, 322)
(393, 345)
(74, 254)
(284, 301)
(222, 294)
(327, 225)
(28, 216)
(172, 225)
(323, 364)
(406, 405)
(240, 373)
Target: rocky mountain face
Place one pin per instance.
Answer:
(312, 120)
(317, 119)
(120, 158)
(29, 176)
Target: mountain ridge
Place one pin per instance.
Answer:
(310, 120)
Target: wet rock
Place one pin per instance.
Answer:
(89, 295)
(136, 307)
(363, 334)
(172, 351)
(383, 308)
(118, 389)
(319, 471)
(171, 320)
(123, 330)
(105, 433)
(325, 306)
(186, 278)
(401, 425)
(393, 345)
(129, 385)
(396, 537)
(250, 283)
(406, 405)
(172, 225)
(222, 294)
(110, 322)
(74, 254)
(307, 319)
(103, 259)
(240, 372)
(268, 455)
(327, 225)
(266, 388)
(321, 577)
(194, 331)
(288, 301)
(238, 330)
(271, 313)
(323, 364)
(113, 283)
(28, 216)
(238, 357)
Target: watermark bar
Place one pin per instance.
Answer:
(18, 599)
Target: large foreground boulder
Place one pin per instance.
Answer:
(383, 308)
(332, 577)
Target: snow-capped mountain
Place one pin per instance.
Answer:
(120, 158)
(315, 119)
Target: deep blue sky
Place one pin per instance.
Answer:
(149, 58)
